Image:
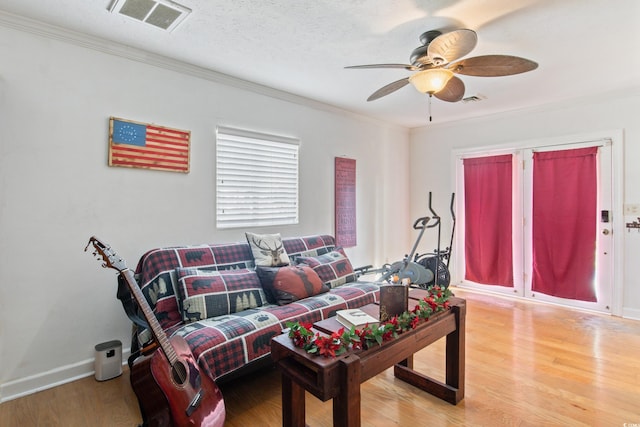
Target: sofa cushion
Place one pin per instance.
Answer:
(156, 273)
(284, 285)
(334, 268)
(225, 344)
(204, 293)
(267, 249)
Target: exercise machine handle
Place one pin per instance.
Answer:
(436, 222)
(421, 223)
(436, 217)
(453, 214)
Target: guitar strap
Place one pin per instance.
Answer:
(129, 303)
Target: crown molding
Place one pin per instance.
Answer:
(54, 32)
(563, 104)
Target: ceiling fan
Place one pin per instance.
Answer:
(434, 64)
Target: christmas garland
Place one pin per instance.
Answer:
(340, 341)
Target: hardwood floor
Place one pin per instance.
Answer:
(527, 364)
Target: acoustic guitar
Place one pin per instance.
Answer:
(170, 388)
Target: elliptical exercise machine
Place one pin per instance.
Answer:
(428, 269)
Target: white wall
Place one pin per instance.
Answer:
(432, 146)
(56, 189)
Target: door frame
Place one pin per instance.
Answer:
(616, 136)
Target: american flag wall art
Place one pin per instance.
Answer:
(141, 145)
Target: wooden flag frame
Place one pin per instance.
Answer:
(148, 146)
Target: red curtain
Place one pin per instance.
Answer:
(488, 209)
(564, 223)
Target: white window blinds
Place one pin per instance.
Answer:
(257, 179)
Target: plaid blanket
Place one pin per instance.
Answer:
(226, 343)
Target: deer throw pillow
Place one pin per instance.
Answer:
(267, 249)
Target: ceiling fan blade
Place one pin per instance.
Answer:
(452, 92)
(390, 88)
(405, 66)
(493, 66)
(451, 46)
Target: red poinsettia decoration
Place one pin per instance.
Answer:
(341, 340)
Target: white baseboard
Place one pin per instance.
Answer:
(631, 313)
(627, 313)
(49, 379)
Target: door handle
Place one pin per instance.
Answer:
(606, 231)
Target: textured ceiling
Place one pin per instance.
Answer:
(302, 46)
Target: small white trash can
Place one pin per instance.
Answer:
(108, 362)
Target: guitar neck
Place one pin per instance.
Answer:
(156, 329)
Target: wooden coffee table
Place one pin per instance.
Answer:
(339, 378)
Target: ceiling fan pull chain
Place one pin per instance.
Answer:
(430, 96)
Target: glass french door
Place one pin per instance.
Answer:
(544, 270)
(597, 293)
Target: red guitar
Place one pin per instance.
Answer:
(171, 390)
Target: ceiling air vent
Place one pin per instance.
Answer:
(163, 14)
(474, 98)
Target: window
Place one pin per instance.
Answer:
(256, 179)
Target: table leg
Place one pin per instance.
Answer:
(293, 405)
(408, 362)
(452, 390)
(455, 350)
(346, 405)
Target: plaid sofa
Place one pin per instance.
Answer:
(226, 345)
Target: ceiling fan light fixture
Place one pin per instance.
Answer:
(431, 81)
